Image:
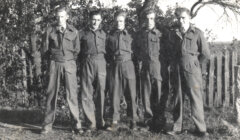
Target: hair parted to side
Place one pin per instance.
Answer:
(95, 12)
(60, 8)
(120, 13)
(180, 10)
(147, 12)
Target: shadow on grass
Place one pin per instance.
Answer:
(21, 116)
(30, 120)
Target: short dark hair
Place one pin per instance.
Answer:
(95, 12)
(120, 13)
(60, 8)
(147, 12)
(180, 10)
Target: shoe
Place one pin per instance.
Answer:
(102, 127)
(113, 127)
(91, 129)
(78, 131)
(158, 125)
(46, 129)
(173, 133)
(133, 126)
(201, 134)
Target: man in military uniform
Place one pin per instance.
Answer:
(147, 52)
(122, 75)
(93, 70)
(190, 49)
(62, 42)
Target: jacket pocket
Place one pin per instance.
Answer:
(192, 66)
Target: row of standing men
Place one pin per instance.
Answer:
(148, 52)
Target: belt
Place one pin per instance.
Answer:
(151, 58)
(94, 56)
(122, 58)
(59, 58)
(187, 52)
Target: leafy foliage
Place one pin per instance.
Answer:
(18, 19)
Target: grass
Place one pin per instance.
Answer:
(221, 124)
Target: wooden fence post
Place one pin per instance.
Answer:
(210, 81)
(234, 74)
(218, 94)
(24, 80)
(226, 79)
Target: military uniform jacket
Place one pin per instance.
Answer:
(92, 42)
(189, 50)
(62, 46)
(147, 45)
(119, 44)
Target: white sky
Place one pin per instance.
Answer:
(208, 18)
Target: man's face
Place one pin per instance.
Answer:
(120, 20)
(62, 17)
(150, 21)
(184, 19)
(96, 21)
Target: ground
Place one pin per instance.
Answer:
(22, 124)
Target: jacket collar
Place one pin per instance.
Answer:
(189, 34)
(98, 30)
(70, 27)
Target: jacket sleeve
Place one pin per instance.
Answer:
(203, 48)
(136, 47)
(45, 46)
(165, 47)
(77, 44)
(108, 56)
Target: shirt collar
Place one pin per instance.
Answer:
(190, 29)
(68, 27)
(124, 31)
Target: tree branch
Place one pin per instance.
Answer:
(234, 7)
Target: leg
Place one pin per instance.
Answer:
(72, 91)
(194, 83)
(155, 98)
(129, 87)
(100, 90)
(116, 91)
(156, 79)
(52, 92)
(178, 100)
(146, 91)
(87, 78)
(165, 88)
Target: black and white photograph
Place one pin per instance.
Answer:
(119, 69)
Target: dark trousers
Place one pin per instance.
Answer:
(67, 71)
(93, 81)
(191, 85)
(151, 89)
(123, 82)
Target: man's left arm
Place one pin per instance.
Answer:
(77, 45)
(203, 48)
